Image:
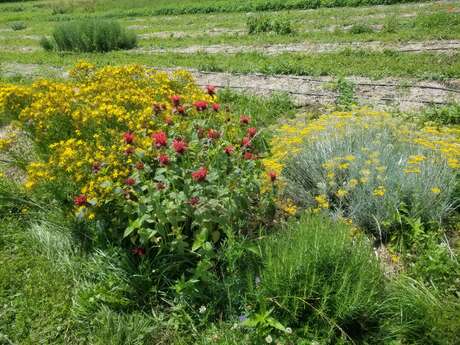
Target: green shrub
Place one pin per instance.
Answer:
(391, 24)
(90, 36)
(265, 24)
(319, 278)
(16, 26)
(442, 115)
(387, 176)
(361, 29)
(417, 315)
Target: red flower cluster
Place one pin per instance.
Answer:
(175, 100)
(163, 159)
(128, 137)
(130, 150)
(180, 110)
(179, 145)
(139, 165)
(200, 174)
(216, 107)
(80, 200)
(245, 119)
(252, 132)
(211, 89)
(229, 150)
(249, 156)
(160, 139)
(194, 200)
(272, 176)
(130, 181)
(201, 105)
(246, 142)
(213, 134)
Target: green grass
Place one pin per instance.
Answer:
(359, 63)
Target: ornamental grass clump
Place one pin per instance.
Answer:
(320, 280)
(149, 158)
(90, 36)
(376, 170)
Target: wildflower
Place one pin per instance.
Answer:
(200, 174)
(257, 280)
(163, 159)
(130, 150)
(242, 318)
(246, 142)
(379, 191)
(128, 137)
(252, 132)
(175, 100)
(139, 165)
(139, 251)
(272, 176)
(341, 193)
(160, 186)
(248, 156)
(200, 105)
(180, 110)
(322, 201)
(288, 330)
(158, 108)
(169, 121)
(96, 167)
(130, 181)
(435, 190)
(216, 107)
(213, 134)
(202, 309)
(229, 150)
(193, 201)
(245, 119)
(268, 339)
(80, 200)
(179, 146)
(160, 139)
(211, 89)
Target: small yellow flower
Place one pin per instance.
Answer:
(379, 191)
(341, 193)
(435, 190)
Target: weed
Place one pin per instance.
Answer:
(346, 94)
(358, 29)
(265, 24)
(16, 26)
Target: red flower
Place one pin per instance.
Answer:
(139, 251)
(213, 134)
(245, 119)
(200, 174)
(252, 132)
(130, 181)
(128, 137)
(129, 151)
(194, 200)
(216, 107)
(158, 108)
(160, 139)
(163, 159)
(248, 156)
(169, 121)
(96, 167)
(175, 100)
(180, 110)
(179, 146)
(229, 150)
(80, 200)
(161, 186)
(272, 175)
(211, 89)
(139, 165)
(246, 141)
(200, 105)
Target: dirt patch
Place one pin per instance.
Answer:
(272, 49)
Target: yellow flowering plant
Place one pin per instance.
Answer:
(369, 167)
(148, 157)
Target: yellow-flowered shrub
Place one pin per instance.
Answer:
(148, 155)
(368, 166)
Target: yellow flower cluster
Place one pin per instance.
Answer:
(82, 121)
